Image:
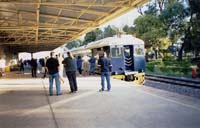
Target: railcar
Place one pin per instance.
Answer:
(126, 53)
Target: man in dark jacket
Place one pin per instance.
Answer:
(70, 69)
(105, 66)
(34, 67)
(53, 68)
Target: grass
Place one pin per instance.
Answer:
(170, 68)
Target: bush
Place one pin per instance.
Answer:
(172, 68)
(150, 68)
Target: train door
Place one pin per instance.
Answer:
(116, 53)
(128, 58)
(139, 58)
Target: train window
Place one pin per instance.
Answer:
(139, 51)
(127, 51)
(116, 52)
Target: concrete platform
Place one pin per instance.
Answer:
(24, 103)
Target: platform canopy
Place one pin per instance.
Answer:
(38, 25)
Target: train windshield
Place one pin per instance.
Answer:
(139, 50)
(116, 52)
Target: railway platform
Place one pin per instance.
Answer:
(25, 103)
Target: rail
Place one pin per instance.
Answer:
(194, 83)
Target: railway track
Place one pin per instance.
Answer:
(192, 83)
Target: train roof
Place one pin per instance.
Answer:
(79, 50)
(122, 40)
(116, 40)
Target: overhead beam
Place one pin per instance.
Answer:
(119, 3)
(82, 13)
(49, 42)
(73, 9)
(44, 15)
(37, 22)
(7, 28)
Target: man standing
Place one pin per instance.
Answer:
(105, 66)
(92, 65)
(53, 68)
(34, 67)
(70, 69)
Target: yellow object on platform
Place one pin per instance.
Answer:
(139, 78)
(119, 77)
(7, 69)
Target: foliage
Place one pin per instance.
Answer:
(129, 30)
(164, 43)
(73, 44)
(192, 33)
(169, 67)
(173, 16)
(152, 9)
(195, 25)
(99, 34)
(89, 37)
(109, 31)
(149, 28)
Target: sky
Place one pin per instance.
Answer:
(125, 19)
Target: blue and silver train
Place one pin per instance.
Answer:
(126, 53)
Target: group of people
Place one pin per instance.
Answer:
(53, 68)
(70, 66)
(86, 66)
(32, 63)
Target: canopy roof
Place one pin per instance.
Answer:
(38, 25)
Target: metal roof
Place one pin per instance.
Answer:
(38, 25)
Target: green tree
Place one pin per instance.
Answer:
(150, 29)
(109, 31)
(99, 34)
(192, 33)
(152, 8)
(129, 30)
(89, 37)
(173, 17)
(73, 44)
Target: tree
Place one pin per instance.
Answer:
(161, 4)
(129, 30)
(195, 26)
(89, 37)
(99, 34)
(192, 33)
(173, 17)
(152, 9)
(150, 29)
(73, 44)
(109, 32)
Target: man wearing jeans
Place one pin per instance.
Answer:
(53, 68)
(105, 65)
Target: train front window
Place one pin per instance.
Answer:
(116, 52)
(139, 50)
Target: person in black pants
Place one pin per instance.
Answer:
(34, 67)
(70, 69)
(21, 66)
